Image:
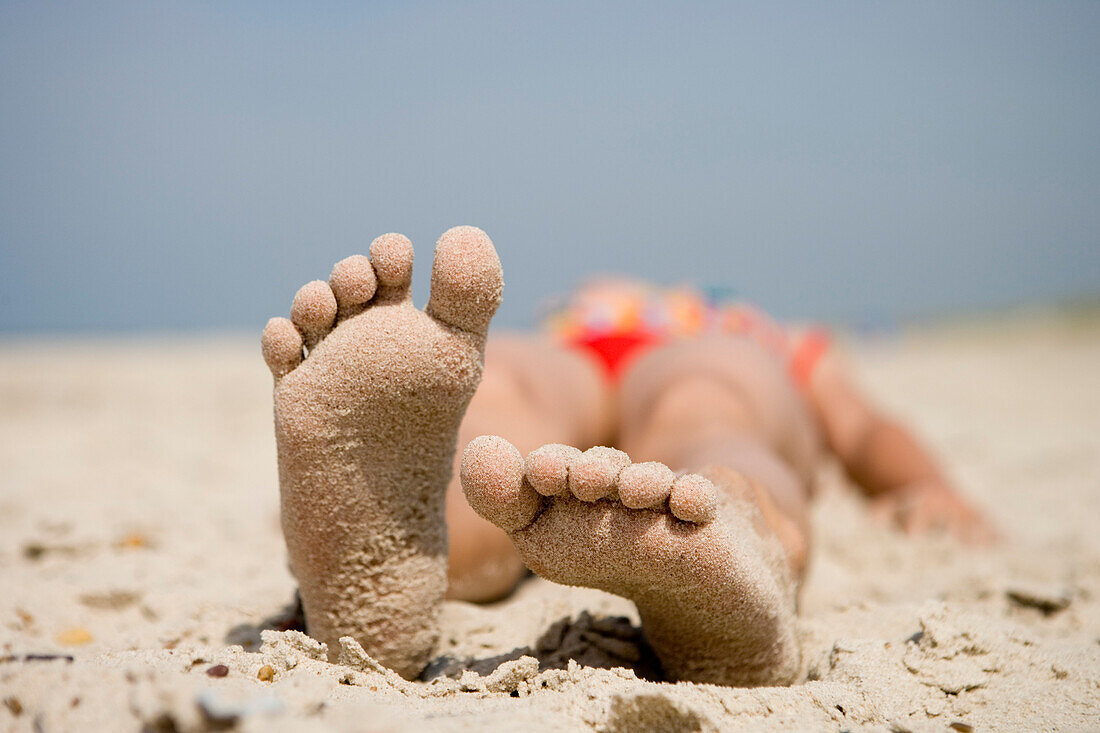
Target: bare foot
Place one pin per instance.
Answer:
(715, 600)
(929, 506)
(366, 427)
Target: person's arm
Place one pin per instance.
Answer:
(886, 460)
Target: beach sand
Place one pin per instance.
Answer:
(143, 578)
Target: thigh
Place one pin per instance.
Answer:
(556, 383)
(746, 381)
(532, 392)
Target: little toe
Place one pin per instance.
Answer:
(282, 346)
(547, 468)
(313, 311)
(467, 282)
(645, 485)
(353, 283)
(492, 479)
(693, 499)
(593, 475)
(392, 257)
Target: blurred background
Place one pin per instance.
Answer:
(187, 165)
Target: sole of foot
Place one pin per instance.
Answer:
(369, 394)
(715, 599)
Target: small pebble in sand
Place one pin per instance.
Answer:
(1048, 599)
(111, 600)
(34, 551)
(961, 727)
(218, 670)
(76, 636)
(266, 673)
(14, 706)
(133, 541)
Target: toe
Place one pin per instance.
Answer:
(547, 468)
(392, 257)
(282, 345)
(693, 499)
(353, 284)
(645, 485)
(593, 475)
(467, 282)
(313, 311)
(492, 479)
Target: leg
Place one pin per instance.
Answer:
(366, 428)
(535, 392)
(724, 401)
(886, 459)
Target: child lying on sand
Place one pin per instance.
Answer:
(701, 522)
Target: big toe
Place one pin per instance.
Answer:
(492, 479)
(467, 281)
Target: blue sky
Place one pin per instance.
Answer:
(188, 165)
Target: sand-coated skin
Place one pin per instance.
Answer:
(366, 429)
(713, 587)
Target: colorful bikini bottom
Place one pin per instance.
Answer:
(618, 320)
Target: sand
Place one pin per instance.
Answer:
(140, 543)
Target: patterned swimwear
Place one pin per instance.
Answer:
(619, 320)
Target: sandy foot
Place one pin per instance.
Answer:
(366, 427)
(710, 589)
